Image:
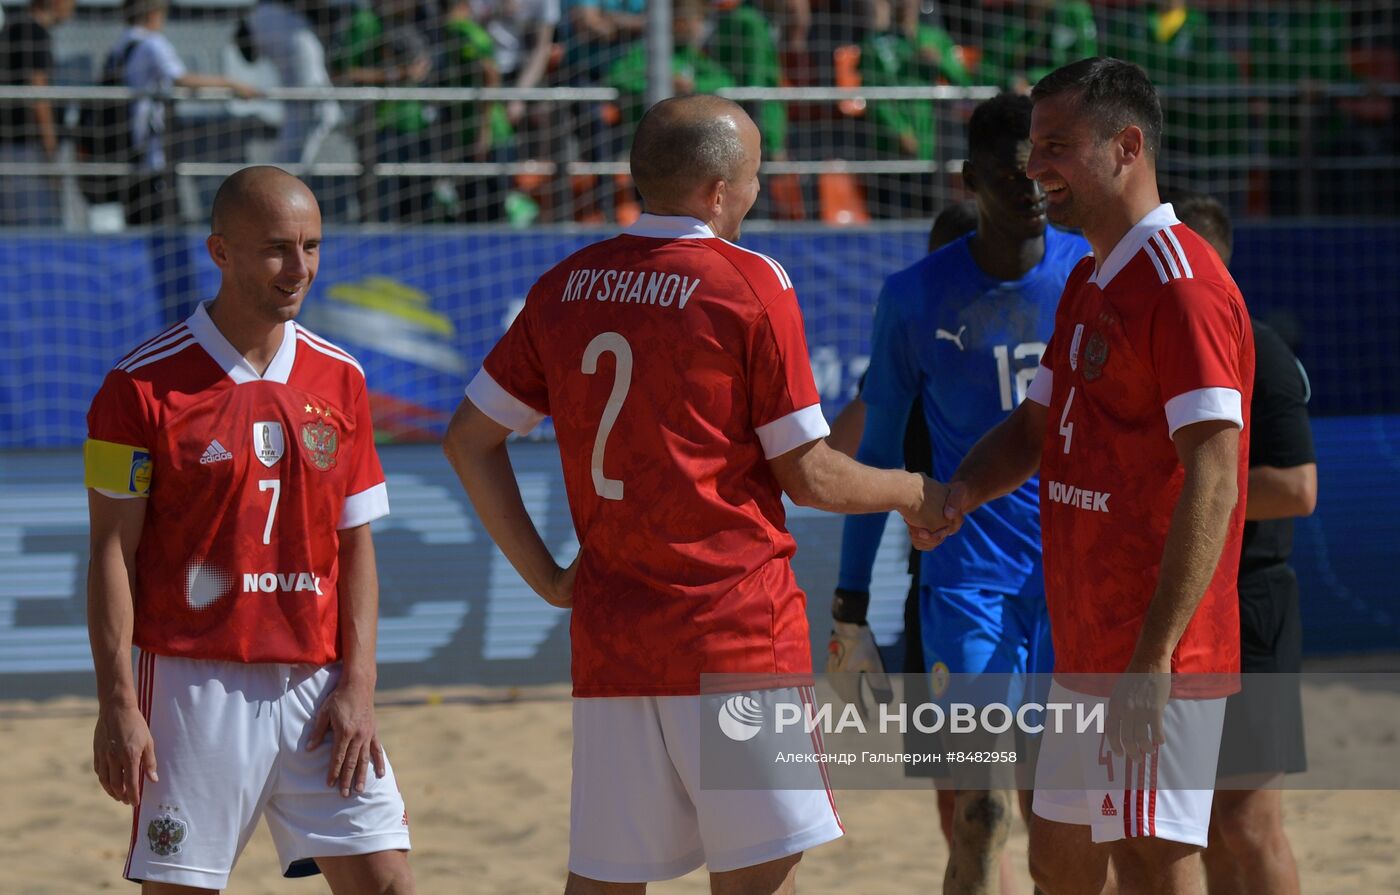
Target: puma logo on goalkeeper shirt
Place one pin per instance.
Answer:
(956, 339)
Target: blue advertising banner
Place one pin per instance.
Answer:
(421, 309)
(454, 611)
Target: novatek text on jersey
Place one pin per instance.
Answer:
(283, 582)
(643, 287)
(1096, 501)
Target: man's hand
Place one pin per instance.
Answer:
(123, 752)
(852, 657)
(956, 506)
(562, 586)
(348, 713)
(1133, 725)
(929, 525)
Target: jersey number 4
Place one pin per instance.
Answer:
(609, 489)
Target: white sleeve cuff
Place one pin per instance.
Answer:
(793, 430)
(117, 495)
(1041, 385)
(366, 506)
(1202, 405)
(499, 404)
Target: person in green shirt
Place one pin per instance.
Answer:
(1034, 39)
(742, 43)
(1175, 43)
(904, 55)
(693, 71)
(933, 46)
(382, 47)
(1298, 46)
(469, 131)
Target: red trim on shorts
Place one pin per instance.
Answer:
(145, 672)
(1127, 796)
(1141, 783)
(809, 698)
(1152, 797)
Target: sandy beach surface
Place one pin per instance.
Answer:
(485, 774)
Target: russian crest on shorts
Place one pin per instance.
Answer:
(166, 833)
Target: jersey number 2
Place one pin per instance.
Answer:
(609, 489)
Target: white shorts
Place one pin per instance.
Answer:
(639, 812)
(230, 743)
(1122, 799)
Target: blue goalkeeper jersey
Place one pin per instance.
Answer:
(970, 345)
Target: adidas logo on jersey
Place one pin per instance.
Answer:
(215, 453)
(1108, 809)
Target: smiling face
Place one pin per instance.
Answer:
(1071, 160)
(741, 192)
(1007, 199)
(269, 253)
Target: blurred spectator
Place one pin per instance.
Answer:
(524, 35)
(283, 34)
(1034, 39)
(1303, 47)
(383, 47)
(692, 71)
(597, 34)
(27, 130)
(794, 18)
(469, 131)
(1176, 44)
(742, 43)
(152, 68)
(906, 130)
(935, 47)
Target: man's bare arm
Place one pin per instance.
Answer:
(814, 475)
(476, 447)
(1281, 492)
(122, 747)
(537, 63)
(348, 711)
(847, 428)
(1002, 460)
(43, 116)
(1209, 451)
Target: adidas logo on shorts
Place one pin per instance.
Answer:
(1108, 809)
(215, 453)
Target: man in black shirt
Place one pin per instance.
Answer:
(27, 130)
(1249, 852)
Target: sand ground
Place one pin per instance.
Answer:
(486, 777)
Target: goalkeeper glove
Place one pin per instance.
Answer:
(852, 655)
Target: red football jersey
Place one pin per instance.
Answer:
(674, 364)
(249, 479)
(1156, 339)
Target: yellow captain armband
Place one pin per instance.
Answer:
(118, 468)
